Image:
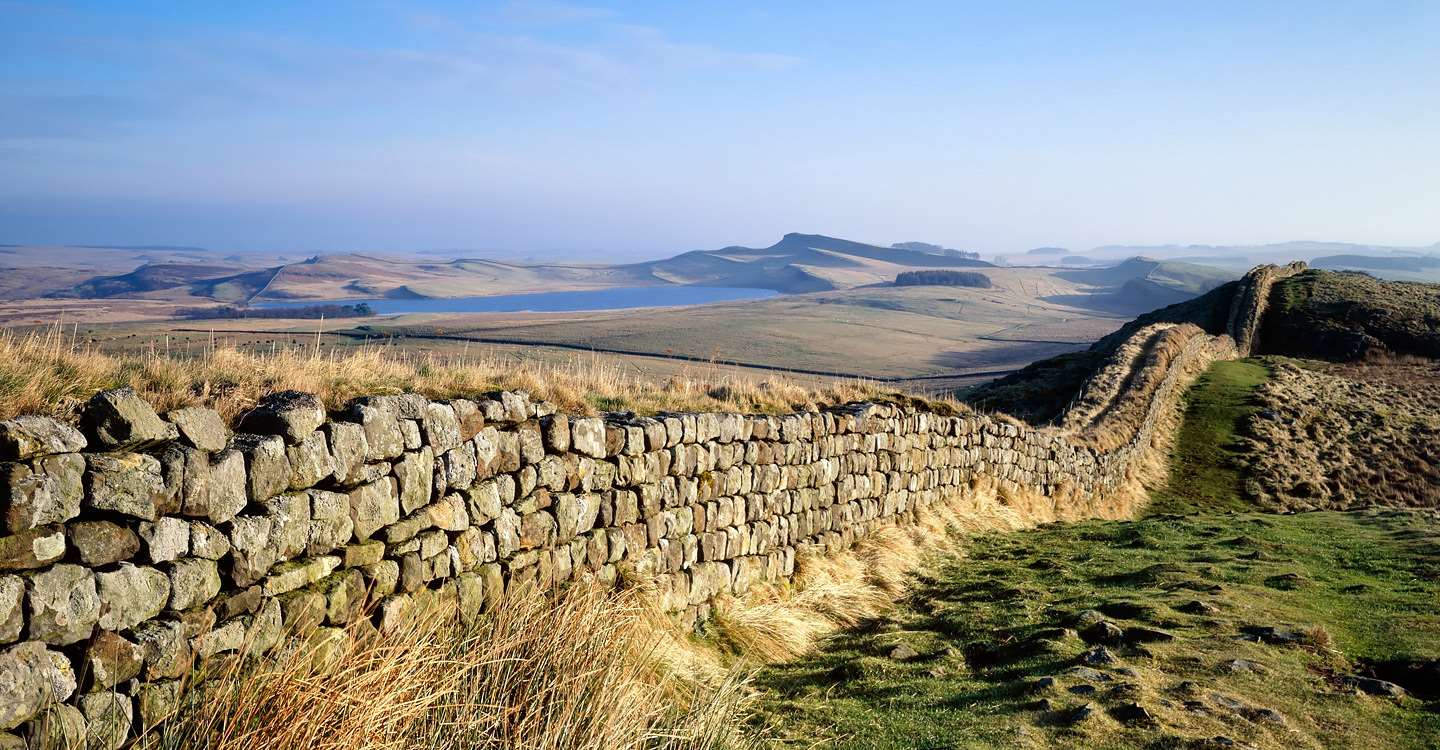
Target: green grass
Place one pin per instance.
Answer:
(988, 624)
(1204, 475)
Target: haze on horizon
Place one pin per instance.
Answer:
(630, 130)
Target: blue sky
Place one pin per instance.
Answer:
(635, 129)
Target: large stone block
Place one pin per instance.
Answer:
(289, 524)
(441, 427)
(266, 466)
(310, 461)
(64, 604)
(125, 483)
(103, 542)
(43, 492)
(373, 507)
(130, 595)
(32, 549)
(381, 425)
(28, 680)
(214, 486)
(348, 450)
(58, 726)
(193, 581)
(166, 539)
(414, 475)
(167, 650)
(111, 659)
(251, 553)
(587, 436)
(108, 717)
(292, 415)
(330, 523)
(28, 436)
(200, 427)
(120, 419)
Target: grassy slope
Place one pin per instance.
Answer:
(979, 623)
(988, 623)
(1203, 473)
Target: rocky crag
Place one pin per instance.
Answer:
(136, 543)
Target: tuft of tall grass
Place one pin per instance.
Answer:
(580, 670)
(49, 372)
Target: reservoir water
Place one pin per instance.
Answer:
(595, 299)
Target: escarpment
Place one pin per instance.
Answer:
(136, 543)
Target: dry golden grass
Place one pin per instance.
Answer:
(585, 669)
(780, 621)
(50, 374)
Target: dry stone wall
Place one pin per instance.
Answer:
(136, 543)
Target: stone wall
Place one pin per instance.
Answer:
(135, 543)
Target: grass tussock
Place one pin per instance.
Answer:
(49, 373)
(585, 669)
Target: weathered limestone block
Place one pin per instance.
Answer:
(384, 439)
(120, 419)
(126, 483)
(167, 650)
(227, 637)
(348, 451)
(45, 491)
(64, 605)
(310, 461)
(359, 555)
(251, 553)
(29, 436)
(166, 539)
(441, 427)
(108, 717)
(214, 487)
(383, 577)
(289, 524)
(130, 595)
(12, 608)
(469, 417)
(288, 576)
(58, 726)
(460, 467)
(193, 582)
(587, 436)
(414, 475)
(208, 542)
(448, 513)
(266, 628)
(344, 596)
(32, 549)
(532, 446)
(537, 530)
(292, 415)
(31, 678)
(330, 523)
(555, 429)
(267, 468)
(410, 431)
(157, 701)
(200, 427)
(374, 506)
(110, 659)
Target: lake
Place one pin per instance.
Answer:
(597, 299)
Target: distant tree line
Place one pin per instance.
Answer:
(943, 278)
(226, 312)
